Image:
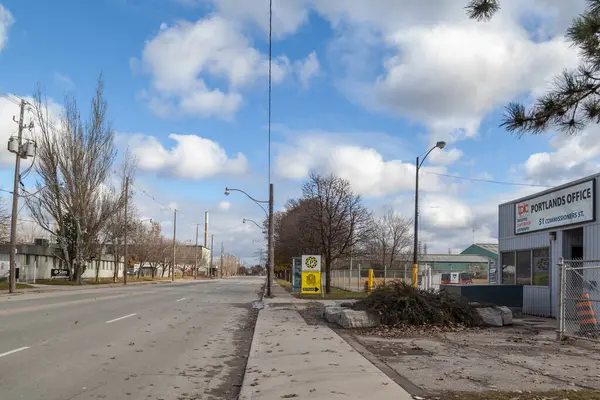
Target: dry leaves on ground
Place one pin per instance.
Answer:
(412, 330)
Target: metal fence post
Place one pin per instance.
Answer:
(561, 301)
(358, 280)
(384, 274)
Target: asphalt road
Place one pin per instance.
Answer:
(170, 341)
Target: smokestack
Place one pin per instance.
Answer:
(206, 229)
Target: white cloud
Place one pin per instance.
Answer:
(307, 68)
(224, 205)
(6, 21)
(365, 168)
(573, 157)
(445, 157)
(192, 157)
(288, 15)
(440, 68)
(183, 57)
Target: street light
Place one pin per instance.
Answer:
(439, 145)
(270, 245)
(249, 220)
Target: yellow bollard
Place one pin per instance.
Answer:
(415, 275)
(370, 283)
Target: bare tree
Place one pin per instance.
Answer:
(390, 237)
(337, 216)
(73, 162)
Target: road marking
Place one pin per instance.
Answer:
(118, 319)
(181, 299)
(13, 351)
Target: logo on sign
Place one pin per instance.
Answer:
(311, 262)
(523, 209)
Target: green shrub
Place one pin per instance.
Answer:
(399, 304)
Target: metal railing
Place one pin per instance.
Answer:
(579, 299)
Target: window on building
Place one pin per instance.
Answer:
(524, 267)
(27, 259)
(508, 268)
(541, 267)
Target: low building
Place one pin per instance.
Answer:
(538, 231)
(489, 250)
(40, 261)
(477, 265)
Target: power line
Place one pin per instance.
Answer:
(486, 180)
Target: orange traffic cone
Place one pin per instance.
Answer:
(588, 323)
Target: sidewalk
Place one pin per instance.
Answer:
(290, 359)
(39, 288)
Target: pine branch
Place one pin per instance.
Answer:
(482, 10)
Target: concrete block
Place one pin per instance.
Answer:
(332, 314)
(357, 319)
(490, 316)
(507, 315)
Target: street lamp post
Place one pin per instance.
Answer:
(439, 145)
(270, 245)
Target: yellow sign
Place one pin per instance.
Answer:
(311, 282)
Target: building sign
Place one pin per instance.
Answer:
(571, 205)
(311, 274)
(492, 273)
(59, 273)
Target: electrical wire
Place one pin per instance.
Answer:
(486, 180)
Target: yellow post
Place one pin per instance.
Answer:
(415, 278)
(370, 283)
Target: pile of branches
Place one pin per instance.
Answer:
(400, 304)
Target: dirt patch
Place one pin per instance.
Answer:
(525, 357)
(551, 395)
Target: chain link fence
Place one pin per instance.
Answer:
(579, 299)
(355, 280)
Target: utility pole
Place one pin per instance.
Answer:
(271, 244)
(212, 242)
(15, 204)
(174, 239)
(125, 255)
(206, 229)
(222, 250)
(196, 255)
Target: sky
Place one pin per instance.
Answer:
(359, 89)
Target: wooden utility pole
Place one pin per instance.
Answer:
(196, 254)
(15, 205)
(174, 244)
(222, 251)
(125, 255)
(212, 243)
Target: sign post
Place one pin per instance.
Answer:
(311, 275)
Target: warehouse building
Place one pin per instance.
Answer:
(538, 231)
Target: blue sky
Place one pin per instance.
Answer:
(358, 90)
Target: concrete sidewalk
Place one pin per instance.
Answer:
(41, 288)
(290, 359)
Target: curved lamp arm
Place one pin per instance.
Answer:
(438, 145)
(258, 202)
(254, 222)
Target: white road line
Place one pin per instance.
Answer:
(13, 351)
(118, 319)
(181, 299)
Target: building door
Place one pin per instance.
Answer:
(577, 252)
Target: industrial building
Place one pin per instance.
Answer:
(538, 231)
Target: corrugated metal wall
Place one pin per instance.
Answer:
(536, 301)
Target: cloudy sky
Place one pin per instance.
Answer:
(360, 88)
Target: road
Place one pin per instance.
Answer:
(169, 341)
